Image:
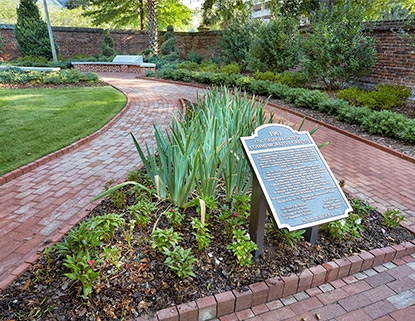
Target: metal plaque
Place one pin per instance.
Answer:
(297, 183)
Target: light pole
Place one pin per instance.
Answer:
(52, 42)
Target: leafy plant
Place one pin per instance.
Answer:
(164, 238)
(129, 233)
(275, 45)
(195, 57)
(284, 235)
(242, 248)
(142, 211)
(336, 50)
(230, 69)
(392, 218)
(107, 45)
(175, 217)
(180, 261)
(201, 234)
(118, 198)
(168, 49)
(384, 97)
(81, 266)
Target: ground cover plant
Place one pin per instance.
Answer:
(36, 122)
(148, 246)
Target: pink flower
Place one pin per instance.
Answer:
(172, 210)
(235, 214)
(83, 272)
(78, 258)
(86, 229)
(90, 262)
(150, 187)
(165, 228)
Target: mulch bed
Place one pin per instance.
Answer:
(144, 284)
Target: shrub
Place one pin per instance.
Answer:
(193, 56)
(107, 45)
(293, 79)
(168, 49)
(311, 99)
(31, 31)
(235, 43)
(266, 75)
(336, 50)
(209, 66)
(189, 65)
(231, 69)
(275, 45)
(384, 123)
(384, 97)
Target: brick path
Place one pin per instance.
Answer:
(383, 293)
(39, 207)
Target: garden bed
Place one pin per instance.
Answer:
(143, 284)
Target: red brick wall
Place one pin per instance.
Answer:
(396, 60)
(86, 41)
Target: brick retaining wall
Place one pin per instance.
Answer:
(396, 59)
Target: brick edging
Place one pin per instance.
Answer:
(65, 150)
(342, 131)
(218, 305)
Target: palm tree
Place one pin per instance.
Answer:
(152, 25)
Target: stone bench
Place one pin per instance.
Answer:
(32, 68)
(121, 63)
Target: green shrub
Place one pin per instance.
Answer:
(1, 44)
(189, 65)
(235, 43)
(384, 97)
(31, 31)
(209, 66)
(169, 51)
(193, 56)
(293, 79)
(230, 69)
(385, 123)
(260, 87)
(311, 99)
(407, 133)
(337, 50)
(107, 45)
(266, 75)
(275, 45)
(244, 82)
(279, 90)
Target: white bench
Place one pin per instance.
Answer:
(121, 63)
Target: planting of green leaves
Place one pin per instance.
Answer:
(165, 238)
(201, 234)
(242, 248)
(393, 218)
(180, 261)
(196, 154)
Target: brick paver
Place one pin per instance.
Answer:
(37, 206)
(40, 206)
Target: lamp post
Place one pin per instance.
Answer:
(52, 42)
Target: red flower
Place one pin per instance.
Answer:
(172, 210)
(150, 187)
(78, 258)
(90, 262)
(235, 214)
(83, 272)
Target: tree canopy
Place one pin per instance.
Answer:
(224, 12)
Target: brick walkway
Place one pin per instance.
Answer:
(383, 293)
(39, 207)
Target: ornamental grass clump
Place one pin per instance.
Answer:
(203, 151)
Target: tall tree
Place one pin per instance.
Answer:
(31, 31)
(133, 13)
(224, 12)
(152, 25)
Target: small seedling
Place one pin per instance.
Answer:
(392, 218)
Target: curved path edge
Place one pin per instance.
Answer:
(65, 150)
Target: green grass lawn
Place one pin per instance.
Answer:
(36, 122)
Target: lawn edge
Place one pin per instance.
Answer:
(65, 150)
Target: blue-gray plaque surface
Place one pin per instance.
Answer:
(297, 183)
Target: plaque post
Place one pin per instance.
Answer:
(311, 234)
(257, 217)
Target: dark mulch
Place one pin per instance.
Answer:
(144, 284)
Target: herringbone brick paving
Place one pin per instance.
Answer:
(40, 206)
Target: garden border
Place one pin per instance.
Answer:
(221, 304)
(342, 131)
(65, 150)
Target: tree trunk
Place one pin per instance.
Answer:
(141, 15)
(152, 25)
